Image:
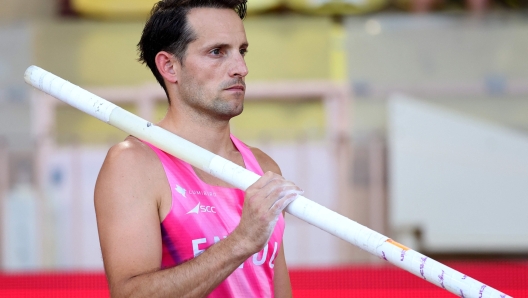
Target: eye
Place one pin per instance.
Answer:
(215, 51)
(243, 52)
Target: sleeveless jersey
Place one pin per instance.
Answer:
(203, 214)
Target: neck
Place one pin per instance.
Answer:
(210, 134)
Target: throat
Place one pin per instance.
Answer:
(234, 156)
(210, 179)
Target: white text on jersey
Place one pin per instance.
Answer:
(258, 259)
(201, 209)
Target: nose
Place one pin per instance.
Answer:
(239, 67)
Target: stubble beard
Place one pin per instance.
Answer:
(219, 108)
(224, 110)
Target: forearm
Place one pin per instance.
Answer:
(194, 278)
(281, 279)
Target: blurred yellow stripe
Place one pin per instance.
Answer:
(113, 8)
(337, 7)
(109, 9)
(338, 61)
(274, 120)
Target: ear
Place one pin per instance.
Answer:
(168, 66)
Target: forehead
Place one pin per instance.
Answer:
(216, 25)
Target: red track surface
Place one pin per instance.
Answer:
(510, 277)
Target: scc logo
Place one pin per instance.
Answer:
(201, 208)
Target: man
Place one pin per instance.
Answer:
(171, 230)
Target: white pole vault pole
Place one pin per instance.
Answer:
(309, 211)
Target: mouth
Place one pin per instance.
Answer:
(239, 88)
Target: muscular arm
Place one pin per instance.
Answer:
(127, 201)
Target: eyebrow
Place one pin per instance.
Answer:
(224, 45)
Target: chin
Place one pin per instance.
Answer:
(228, 108)
(234, 112)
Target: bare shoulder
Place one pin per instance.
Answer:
(130, 164)
(130, 152)
(265, 161)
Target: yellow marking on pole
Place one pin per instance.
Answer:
(398, 244)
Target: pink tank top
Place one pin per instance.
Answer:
(203, 214)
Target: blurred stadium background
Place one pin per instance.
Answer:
(408, 116)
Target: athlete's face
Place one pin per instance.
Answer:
(213, 71)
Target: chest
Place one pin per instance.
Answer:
(202, 216)
(199, 217)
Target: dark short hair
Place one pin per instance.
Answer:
(167, 29)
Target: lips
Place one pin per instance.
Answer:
(236, 88)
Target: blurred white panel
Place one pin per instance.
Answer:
(463, 182)
(21, 237)
(72, 173)
(59, 179)
(91, 162)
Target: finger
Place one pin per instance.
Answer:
(282, 190)
(273, 187)
(276, 187)
(289, 192)
(282, 203)
(262, 181)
